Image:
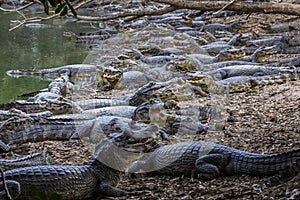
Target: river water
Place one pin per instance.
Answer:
(37, 45)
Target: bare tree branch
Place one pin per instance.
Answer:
(280, 8)
(39, 19)
(17, 9)
(136, 13)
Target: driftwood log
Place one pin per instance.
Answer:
(263, 7)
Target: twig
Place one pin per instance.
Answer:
(217, 12)
(4, 184)
(17, 9)
(31, 20)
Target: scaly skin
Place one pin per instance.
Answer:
(44, 101)
(24, 106)
(176, 89)
(95, 38)
(71, 69)
(59, 85)
(234, 26)
(247, 70)
(152, 59)
(55, 128)
(208, 161)
(233, 80)
(196, 61)
(29, 160)
(42, 129)
(67, 182)
(87, 104)
(117, 111)
(107, 76)
(246, 83)
(15, 113)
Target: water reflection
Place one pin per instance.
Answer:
(35, 46)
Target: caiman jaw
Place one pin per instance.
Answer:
(139, 141)
(231, 54)
(199, 79)
(108, 75)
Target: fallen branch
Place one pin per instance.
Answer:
(32, 20)
(280, 8)
(231, 2)
(7, 194)
(17, 9)
(39, 19)
(135, 13)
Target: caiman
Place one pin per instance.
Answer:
(246, 83)
(184, 125)
(104, 76)
(118, 111)
(152, 59)
(218, 65)
(176, 89)
(59, 85)
(32, 130)
(207, 161)
(94, 38)
(25, 161)
(96, 179)
(87, 104)
(13, 113)
(248, 70)
(155, 50)
(232, 27)
(46, 101)
(240, 83)
(287, 62)
(171, 118)
(73, 70)
(198, 61)
(214, 48)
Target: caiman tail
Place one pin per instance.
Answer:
(32, 72)
(260, 164)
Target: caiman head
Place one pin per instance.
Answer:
(108, 77)
(155, 111)
(129, 141)
(230, 54)
(175, 89)
(204, 81)
(135, 136)
(185, 63)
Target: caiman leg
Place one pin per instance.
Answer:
(212, 166)
(13, 187)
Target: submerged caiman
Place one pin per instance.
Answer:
(103, 76)
(71, 70)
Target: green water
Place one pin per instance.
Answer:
(36, 46)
